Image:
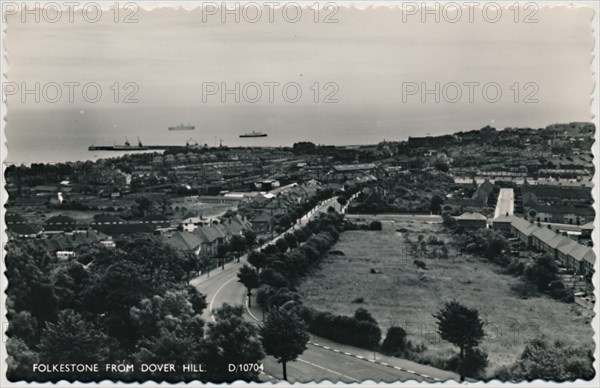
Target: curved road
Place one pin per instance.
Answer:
(323, 359)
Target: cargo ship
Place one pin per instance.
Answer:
(125, 147)
(254, 134)
(182, 127)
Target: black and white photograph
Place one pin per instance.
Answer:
(311, 192)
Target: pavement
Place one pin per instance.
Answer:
(323, 359)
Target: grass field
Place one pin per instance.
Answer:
(401, 294)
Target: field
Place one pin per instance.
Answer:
(398, 293)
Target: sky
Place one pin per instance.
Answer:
(368, 62)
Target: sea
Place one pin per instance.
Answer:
(61, 135)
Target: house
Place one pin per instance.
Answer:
(107, 219)
(24, 230)
(565, 251)
(586, 230)
(66, 246)
(503, 223)
(59, 224)
(120, 229)
(191, 221)
(212, 237)
(523, 229)
(14, 219)
(541, 239)
(156, 221)
(262, 223)
(478, 200)
(559, 214)
(471, 220)
(186, 241)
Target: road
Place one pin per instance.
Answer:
(323, 359)
(222, 286)
(506, 203)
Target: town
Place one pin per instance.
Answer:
(119, 241)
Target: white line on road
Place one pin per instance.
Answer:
(250, 312)
(329, 370)
(210, 307)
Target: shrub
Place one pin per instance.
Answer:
(476, 360)
(559, 292)
(550, 360)
(525, 290)
(375, 225)
(543, 272)
(516, 267)
(395, 340)
(364, 332)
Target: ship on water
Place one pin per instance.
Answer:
(182, 127)
(254, 134)
(125, 147)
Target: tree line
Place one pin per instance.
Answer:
(128, 305)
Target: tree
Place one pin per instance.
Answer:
(282, 245)
(205, 263)
(250, 237)
(436, 203)
(548, 359)
(285, 221)
(257, 259)
(19, 361)
(165, 204)
(232, 340)
(284, 336)
(342, 200)
(238, 245)
(143, 206)
(290, 238)
(441, 165)
(462, 327)
(394, 341)
(73, 338)
(543, 272)
(190, 264)
(249, 278)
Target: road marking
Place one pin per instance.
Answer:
(212, 301)
(269, 376)
(329, 370)
(250, 312)
(376, 362)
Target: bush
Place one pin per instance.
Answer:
(559, 292)
(550, 360)
(375, 225)
(515, 267)
(525, 290)
(364, 332)
(395, 340)
(543, 272)
(476, 360)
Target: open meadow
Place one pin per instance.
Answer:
(378, 266)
